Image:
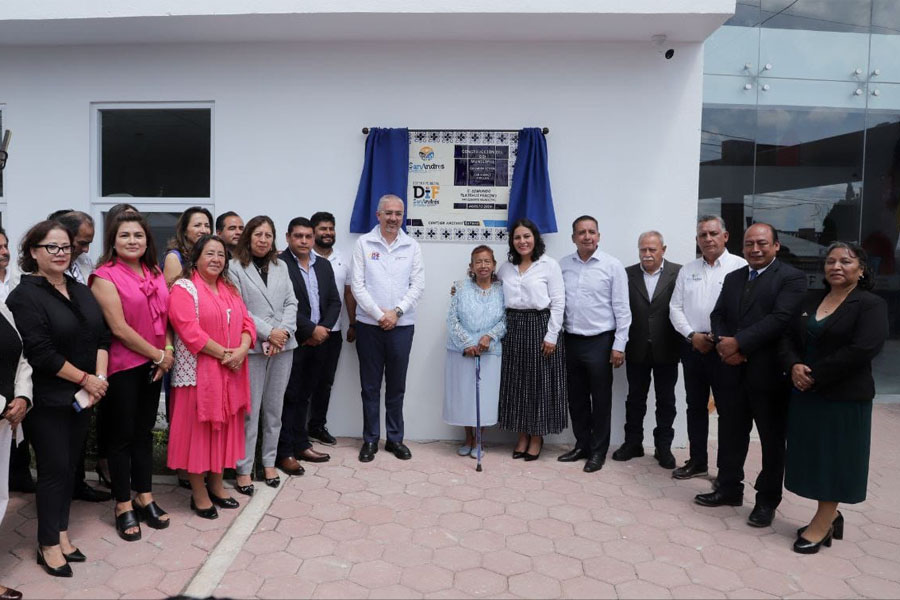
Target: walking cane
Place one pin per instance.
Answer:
(478, 412)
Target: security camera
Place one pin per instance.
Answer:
(659, 42)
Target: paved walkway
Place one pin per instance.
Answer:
(433, 527)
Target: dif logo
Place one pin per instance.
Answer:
(426, 153)
(426, 192)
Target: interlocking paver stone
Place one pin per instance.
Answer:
(433, 527)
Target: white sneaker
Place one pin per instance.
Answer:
(464, 450)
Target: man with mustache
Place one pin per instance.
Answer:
(329, 351)
(696, 291)
(756, 305)
(652, 349)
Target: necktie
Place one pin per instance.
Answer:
(753, 274)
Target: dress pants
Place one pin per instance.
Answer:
(294, 437)
(329, 353)
(7, 440)
(700, 376)
(739, 408)
(269, 376)
(127, 420)
(383, 354)
(57, 435)
(590, 379)
(665, 376)
(20, 460)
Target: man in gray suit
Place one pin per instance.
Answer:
(653, 347)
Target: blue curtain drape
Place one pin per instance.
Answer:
(530, 195)
(385, 171)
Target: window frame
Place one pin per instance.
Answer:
(97, 153)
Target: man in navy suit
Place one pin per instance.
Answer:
(319, 306)
(756, 305)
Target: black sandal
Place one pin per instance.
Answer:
(151, 514)
(125, 521)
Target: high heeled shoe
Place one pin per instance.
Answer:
(222, 502)
(103, 479)
(151, 514)
(63, 571)
(75, 555)
(838, 525)
(273, 482)
(530, 457)
(804, 546)
(204, 513)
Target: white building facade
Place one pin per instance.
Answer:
(277, 95)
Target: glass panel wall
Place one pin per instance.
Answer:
(801, 129)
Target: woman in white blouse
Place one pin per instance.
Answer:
(533, 375)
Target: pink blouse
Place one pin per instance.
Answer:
(223, 318)
(144, 304)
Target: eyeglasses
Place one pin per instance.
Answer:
(54, 249)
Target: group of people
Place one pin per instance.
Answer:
(245, 340)
(548, 335)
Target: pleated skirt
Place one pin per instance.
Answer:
(533, 396)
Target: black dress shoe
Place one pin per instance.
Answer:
(690, 469)
(717, 498)
(64, 571)
(184, 483)
(75, 555)
(89, 494)
(246, 490)
(664, 457)
(837, 524)
(761, 516)
(594, 463)
(367, 452)
(530, 457)
(322, 435)
(222, 502)
(804, 546)
(204, 513)
(628, 451)
(572, 455)
(11, 594)
(398, 449)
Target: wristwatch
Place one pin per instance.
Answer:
(690, 336)
(399, 311)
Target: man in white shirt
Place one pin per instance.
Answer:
(329, 350)
(696, 291)
(387, 279)
(9, 275)
(596, 325)
(81, 226)
(653, 350)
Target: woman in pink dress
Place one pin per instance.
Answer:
(210, 384)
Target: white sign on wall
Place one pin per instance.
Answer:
(459, 183)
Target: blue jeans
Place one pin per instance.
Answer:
(383, 354)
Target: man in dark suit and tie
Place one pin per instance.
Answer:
(319, 306)
(755, 307)
(653, 346)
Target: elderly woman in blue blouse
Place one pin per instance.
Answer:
(476, 324)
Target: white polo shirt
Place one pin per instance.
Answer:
(341, 269)
(697, 290)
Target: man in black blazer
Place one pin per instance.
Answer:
(316, 315)
(653, 347)
(756, 306)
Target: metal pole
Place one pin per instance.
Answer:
(478, 412)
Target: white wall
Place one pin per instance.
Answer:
(623, 145)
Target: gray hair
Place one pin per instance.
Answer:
(652, 232)
(716, 218)
(389, 198)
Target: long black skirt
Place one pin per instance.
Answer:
(533, 397)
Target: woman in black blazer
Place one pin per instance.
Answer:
(828, 354)
(66, 340)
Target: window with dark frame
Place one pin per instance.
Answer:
(155, 152)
